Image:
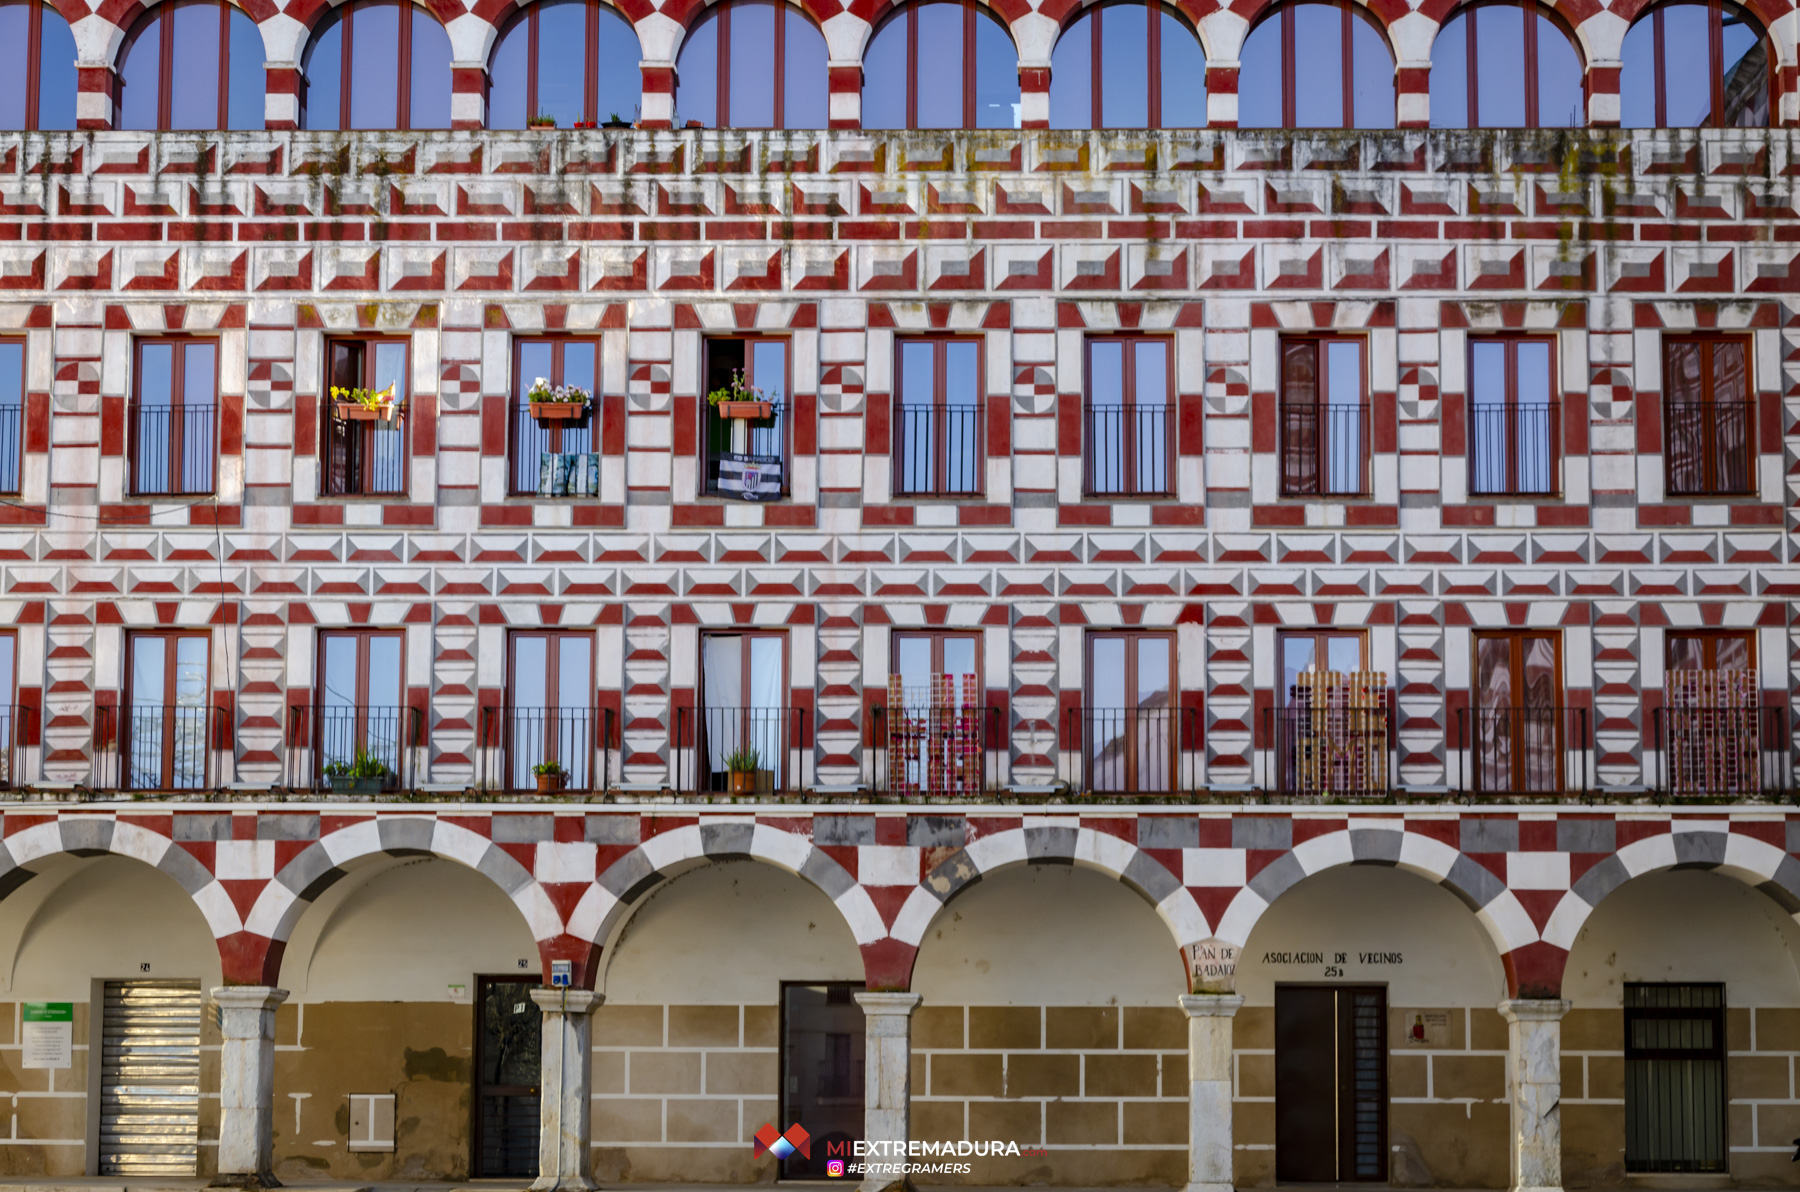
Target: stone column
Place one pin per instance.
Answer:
(1209, 1089)
(247, 1085)
(887, 1070)
(1534, 1084)
(565, 1084)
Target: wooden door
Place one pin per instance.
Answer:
(1330, 1083)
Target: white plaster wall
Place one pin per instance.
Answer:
(1446, 957)
(108, 917)
(406, 930)
(728, 933)
(1048, 935)
(1686, 925)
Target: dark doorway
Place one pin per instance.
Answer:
(507, 1055)
(821, 1072)
(1330, 1083)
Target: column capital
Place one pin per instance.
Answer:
(1211, 1005)
(1533, 1009)
(249, 997)
(901, 1004)
(567, 1001)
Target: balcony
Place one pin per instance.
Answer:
(936, 749)
(1324, 449)
(579, 740)
(154, 747)
(172, 449)
(364, 459)
(327, 738)
(1709, 449)
(1532, 751)
(1515, 449)
(1143, 751)
(18, 730)
(1722, 751)
(740, 751)
(938, 450)
(1331, 750)
(1128, 449)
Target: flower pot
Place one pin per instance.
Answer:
(355, 411)
(616, 124)
(549, 784)
(746, 409)
(743, 782)
(343, 784)
(558, 411)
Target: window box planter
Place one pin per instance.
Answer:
(549, 784)
(343, 784)
(743, 782)
(745, 409)
(355, 411)
(558, 411)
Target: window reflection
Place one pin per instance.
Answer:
(753, 64)
(1151, 72)
(37, 68)
(1293, 70)
(948, 42)
(377, 65)
(174, 62)
(1688, 65)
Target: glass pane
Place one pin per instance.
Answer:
(996, 74)
(1345, 432)
(1152, 672)
(506, 76)
(1106, 416)
(752, 56)
(189, 714)
(1687, 66)
(1298, 652)
(962, 425)
(1373, 77)
(575, 723)
(1106, 681)
(1487, 417)
(1071, 76)
(194, 77)
(12, 373)
(384, 670)
(918, 416)
(374, 89)
(1534, 437)
(198, 374)
(1318, 66)
(1746, 71)
(959, 656)
(1686, 652)
(530, 677)
(324, 74)
(912, 663)
(1106, 731)
(1124, 66)
(15, 51)
(572, 662)
(530, 439)
(723, 659)
(940, 79)
(1151, 723)
(1183, 75)
(1450, 73)
(768, 368)
(390, 368)
(1343, 653)
(156, 394)
(806, 98)
(8, 674)
(430, 73)
(697, 75)
(148, 678)
(884, 75)
(337, 678)
(1731, 377)
(1560, 103)
(1493, 672)
(1637, 75)
(562, 61)
(1259, 77)
(1500, 65)
(1733, 654)
(249, 81)
(616, 58)
(140, 76)
(579, 368)
(56, 75)
(144, 724)
(1149, 425)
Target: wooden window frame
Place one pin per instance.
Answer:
(590, 79)
(1718, 1053)
(402, 69)
(362, 636)
(518, 409)
(1710, 488)
(1510, 387)
(1532, 9)
(12, 471)
(1715, 47)
(1516, 670)
(34, 64)
(1322, 400)
(177, 403)
(553, 681)
(165, 64)
(1318, 636)
(784, 409)
(745, 634)
(1289, 90)
(1131, 487)
(1709, 639)
(366, 380)
(1134, 763)
(778, 67)
(940, 447)
(1152, 50)
(910, 15)
(166, 701)
(937, 638)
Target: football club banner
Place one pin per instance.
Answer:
(750, 477)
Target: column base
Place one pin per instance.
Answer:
(1210, 1188)
(239, 1179)
(550, 1183)
(1545, 1188)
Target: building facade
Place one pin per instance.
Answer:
(930, 572)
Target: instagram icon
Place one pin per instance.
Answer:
(834, 1167)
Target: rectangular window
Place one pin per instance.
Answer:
(1520, 731)
(1711, 732)
(550, 707)
(935, 718)
(745, 723)
(364, 458)
(746, 458)
(12, 413)
(168, 712)
(822, 1047)
(937, 444)
(1129, 734)
(1674, 1078)
(1709, 417)
(1324, 418)
(360, 706)
(1128, 433)
(540, 448)
(1711, 650)
(1331, 721)
(1513, 418)
(173, 412)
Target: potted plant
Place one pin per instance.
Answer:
(364, 405)
(365, 775)
(540, 122)
(738, 400)
(617, 121)
(556, 403)
(742, 766)
(550, 777)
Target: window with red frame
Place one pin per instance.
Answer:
(1709, 417)
(1128, 65)
(941, 64)
(550, 713)
(364, 458)
(174, 416)
(1711, 649)
(571, 60)
(1130, 720)
(753, 64)
(731, 445)
(168, 715)
(1316, 65)
(1128, 416)
(12, 413)
(1696, 65)
(360, 704)
(1521, 71)
(1324, 417)
(37, 68)
(937, 418)
(197, 64)
(561, 362)
(376, 64)
(1514, 417)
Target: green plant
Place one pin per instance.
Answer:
(743, 761)
(546, 769)
(542, 390)
(372, 399)
(736, 391)
(540, 122)
(365, 765)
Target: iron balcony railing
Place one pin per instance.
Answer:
(1332, 750)
(937, 450)
(364, 458)
(156, 747)
(925, 752)
(322, 736)
(173, 448)
(1324, 449)
(1709, 448)
(1722, 750)
(765, 441)
(12, 442)
(18, 729)
(708, 739)
(1514, 449)
(531, 439)
(1128, 449)
(1524, 751)
(1131, 751)
(516, 740)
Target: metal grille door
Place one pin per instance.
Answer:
(1675, 1078)
(150, 1078)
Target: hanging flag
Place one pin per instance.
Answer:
(750, 477)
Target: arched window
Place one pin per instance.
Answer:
(377, 64)
(575, 60)
(1519, 71)
(1315, 65)
(1695, 65)
(37, 68)
(941, 64)
(193, 65)
(1128, 65)
(753, 64)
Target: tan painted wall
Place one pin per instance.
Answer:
(1447, 1110)
(1687, 925)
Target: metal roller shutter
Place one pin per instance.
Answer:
(150, 1078)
